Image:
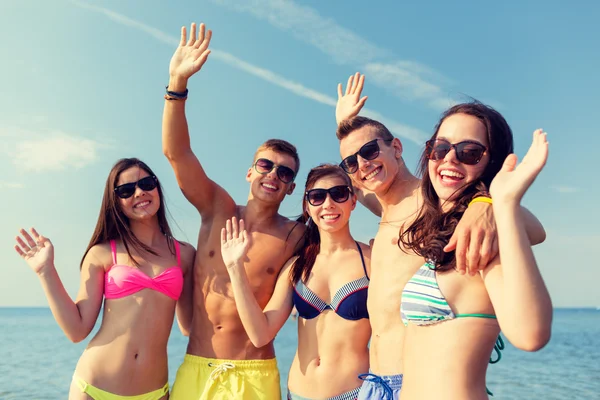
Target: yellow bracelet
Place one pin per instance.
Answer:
(480, 200)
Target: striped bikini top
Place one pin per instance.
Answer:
(349, 302)
(423, 302)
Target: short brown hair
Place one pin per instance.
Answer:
(348, 126)
(280, 146)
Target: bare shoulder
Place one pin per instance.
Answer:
(294, 232)
(188, 253)
(99, 256)
(366, 250)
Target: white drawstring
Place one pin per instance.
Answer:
(220, 369)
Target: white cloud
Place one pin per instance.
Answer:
(11, 185)
(123, 20)
(305, 24)
(55, 151)
(406, 79)
(296, 88)
(564, 189)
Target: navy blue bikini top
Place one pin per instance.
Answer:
(349, 302)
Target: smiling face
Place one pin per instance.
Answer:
(330, 216)
(143, 204)
(375, 175)
(268, 187)
(448, 175)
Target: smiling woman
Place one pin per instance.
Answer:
(144, 275)
(326, 281)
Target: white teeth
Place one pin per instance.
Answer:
(269, 186)
(143, 203)
(454, 174)
(329, 216)
(372, 174)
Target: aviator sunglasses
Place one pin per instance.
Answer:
(127, 190)
(264, 166)
(339, 194)
(467, 152)
(369, 151)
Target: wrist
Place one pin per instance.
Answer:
(481, 199)
(234, 267)
(177, 83)
(507, 205)
(46, 270)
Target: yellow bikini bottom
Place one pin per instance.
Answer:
(99, 394)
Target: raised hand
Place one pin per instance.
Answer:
(350, 103)
(235, 242)
(191, 54)
(511, 183)
(38, 251)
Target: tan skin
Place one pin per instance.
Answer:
(390, 190)
(124, 357)
(217, 331)
(332, 351)
(456, 352)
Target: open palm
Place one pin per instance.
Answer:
(191, 54)
(511, 183)
(37, 251)
(235, 242)
(350, 103)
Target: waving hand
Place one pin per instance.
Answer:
(511, 183)
(235, 242)
(37, 251)
(350, 103)
(191, 54)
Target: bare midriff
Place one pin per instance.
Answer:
(330, 365)
(128, 355)
(217, 331)
(391, 268)
(454, 355)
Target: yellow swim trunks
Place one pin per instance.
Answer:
(200, 378)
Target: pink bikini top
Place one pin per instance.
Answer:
(123, 280)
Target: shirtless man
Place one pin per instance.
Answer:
(373, 158)
(221, 362)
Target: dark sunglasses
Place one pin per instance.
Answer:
(468, 152)
(127, 190)
(264, 166)
(339, 194)
(369, 151)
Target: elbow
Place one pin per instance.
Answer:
(534, 341)
(184, 331)
(168, 153)
(259, 341)
(540, 236)
(75, 337)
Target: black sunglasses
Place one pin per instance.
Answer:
(127, 190)
(369, 151)
(468, 152)
(339, 194)
(264, 166)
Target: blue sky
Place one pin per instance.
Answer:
(83, 86)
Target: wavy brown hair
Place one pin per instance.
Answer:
(307, 254)
(432, 229)
(113, 224)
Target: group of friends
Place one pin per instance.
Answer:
(417, 312)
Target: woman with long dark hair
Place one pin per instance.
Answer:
(453, 320)
(144, 276)
(326, 281)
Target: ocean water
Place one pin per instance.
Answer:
(37, 361)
